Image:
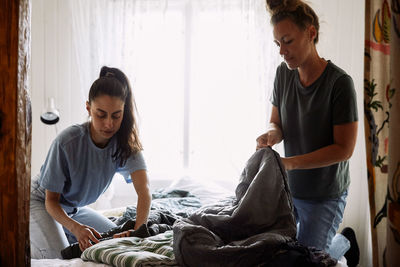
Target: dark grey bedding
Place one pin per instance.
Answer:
(255, 228)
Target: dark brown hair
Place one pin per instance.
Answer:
(113, 82)
(297, 11)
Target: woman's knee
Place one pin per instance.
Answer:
(44, 252)
(94, 219)
(317, 224)
(46, 235)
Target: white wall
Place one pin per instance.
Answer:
(341, 40)
(52, 74)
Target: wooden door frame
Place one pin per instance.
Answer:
(15, 132)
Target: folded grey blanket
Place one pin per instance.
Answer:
(251, 229)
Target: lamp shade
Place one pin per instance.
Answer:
(50, 114)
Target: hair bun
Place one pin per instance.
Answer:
(273, 4)
(277, 6)
(106, 72)
(109, 74)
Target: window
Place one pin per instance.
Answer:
(201, 73)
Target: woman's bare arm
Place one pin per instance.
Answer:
(345, 136)
(83, 233)
(141, 184)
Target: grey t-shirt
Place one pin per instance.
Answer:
(79, 170)
(308, 115)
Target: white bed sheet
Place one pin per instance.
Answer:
(80, 263)
(207, 191)
(65, 263)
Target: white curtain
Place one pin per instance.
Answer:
(201, 73)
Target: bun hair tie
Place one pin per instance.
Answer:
(109, 74)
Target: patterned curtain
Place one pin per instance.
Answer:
(382, 127)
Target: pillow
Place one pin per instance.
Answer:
(207, 191)
(134, 251)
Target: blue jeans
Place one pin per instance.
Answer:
(317, 223)
(48, 237)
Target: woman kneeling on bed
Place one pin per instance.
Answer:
(79, 167)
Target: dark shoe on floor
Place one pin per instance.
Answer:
(353, 254)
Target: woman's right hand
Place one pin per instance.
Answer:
(83, 233)
(270, 138)
(274, 132)
(86, 236)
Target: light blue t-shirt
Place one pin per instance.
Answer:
(79, 170)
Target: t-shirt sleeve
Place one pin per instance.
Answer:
(54, 172)
(274, 99)
(344, 101)
(134, 163)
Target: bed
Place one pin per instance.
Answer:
(202, 193)
(196, 210)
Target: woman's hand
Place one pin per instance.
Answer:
(274, 132)
(123, 234)
(270, 138)
(82, 233)
(85, 235)
(287, 163)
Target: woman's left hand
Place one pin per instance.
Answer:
(285, 162)
(123, 234)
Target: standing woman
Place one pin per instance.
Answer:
(79, 167)
(315, 113)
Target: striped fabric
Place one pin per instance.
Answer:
(134, 251)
